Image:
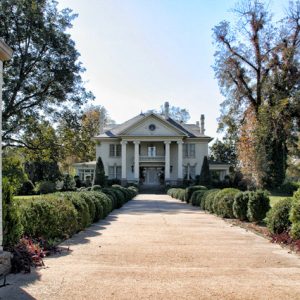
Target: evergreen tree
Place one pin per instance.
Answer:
(99, 173)
(205, 176)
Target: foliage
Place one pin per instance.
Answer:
(66, 184)
(207, 198)
(43, 78)
(197, 196)
(258, 206)
(177, 113)
(13, 169)
(240, 205)
(278, 216)
(12, 226)
(42, 170)
(76, 132)
(96, 187)
(39, 141)
(49, 217)
(45, 187)
(99, 173)
(288, 188)
(224, 151)
(190, 190)
(205, 176)
(256, 64)
(223, 202)
(295, 216)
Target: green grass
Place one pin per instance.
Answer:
(274, 199)
(30, 197)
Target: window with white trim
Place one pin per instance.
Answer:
(114, 150)
(189, 150)
(114, 172)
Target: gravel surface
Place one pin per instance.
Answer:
(159, 248)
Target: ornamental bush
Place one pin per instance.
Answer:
(240, 205)
(197, 197)
(86, 196)
(11, 215)
(180, 194)
(295, 216)
(96, 187)
(98, 206)
(258, 206)
(45, 187)
(50, 217)
(171, 192)
(191, 189)
(223, 202)
(210, 199)
(82, 208)
(278, 216)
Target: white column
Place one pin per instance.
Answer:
(179, 166)
(5, 54)
(136, 160)
(124, 165)
(167, 160)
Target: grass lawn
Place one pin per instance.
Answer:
(30, 197)
(275, 199)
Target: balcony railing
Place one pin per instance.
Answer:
(152, 158)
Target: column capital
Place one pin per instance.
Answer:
(167, 142)
(179, 142)
(136, 142)
(123, 142)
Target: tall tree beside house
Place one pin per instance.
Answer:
(43, 78)
(99, 173)
(205, 176)
(224, 151)
(257, 66)
(76, 132)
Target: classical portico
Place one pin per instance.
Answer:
(151, 154)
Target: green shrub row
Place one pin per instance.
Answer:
(227, 203)
(60, 215)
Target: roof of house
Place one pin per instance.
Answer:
(115, 130)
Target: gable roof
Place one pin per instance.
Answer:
(115, 131)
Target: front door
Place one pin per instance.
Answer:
(152, 176)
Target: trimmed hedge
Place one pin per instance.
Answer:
(191, 189)
(223, 202)
(197, 197)
(258, 206)
(295, 216)
(207, 199)
(278, 216)
(60, 215)
(240, 205)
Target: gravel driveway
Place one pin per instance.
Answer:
(159, 248)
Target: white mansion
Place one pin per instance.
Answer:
(151, 149)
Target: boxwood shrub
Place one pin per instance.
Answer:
(190, 190)
(258, 206)
(278, 216)
(197, 197)
(208, 199)
(295, 216)
(223, 202)
(240, 205)
(50, 217)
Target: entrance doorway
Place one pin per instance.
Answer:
(152, 175)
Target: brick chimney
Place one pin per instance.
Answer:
(202, 128)
(167, 110)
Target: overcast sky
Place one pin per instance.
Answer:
(140, 53)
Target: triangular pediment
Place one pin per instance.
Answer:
(152, 125)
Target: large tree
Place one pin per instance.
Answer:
(76, 133)
(44, 76)
(257, 66)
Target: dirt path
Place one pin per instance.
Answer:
(159, 248)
